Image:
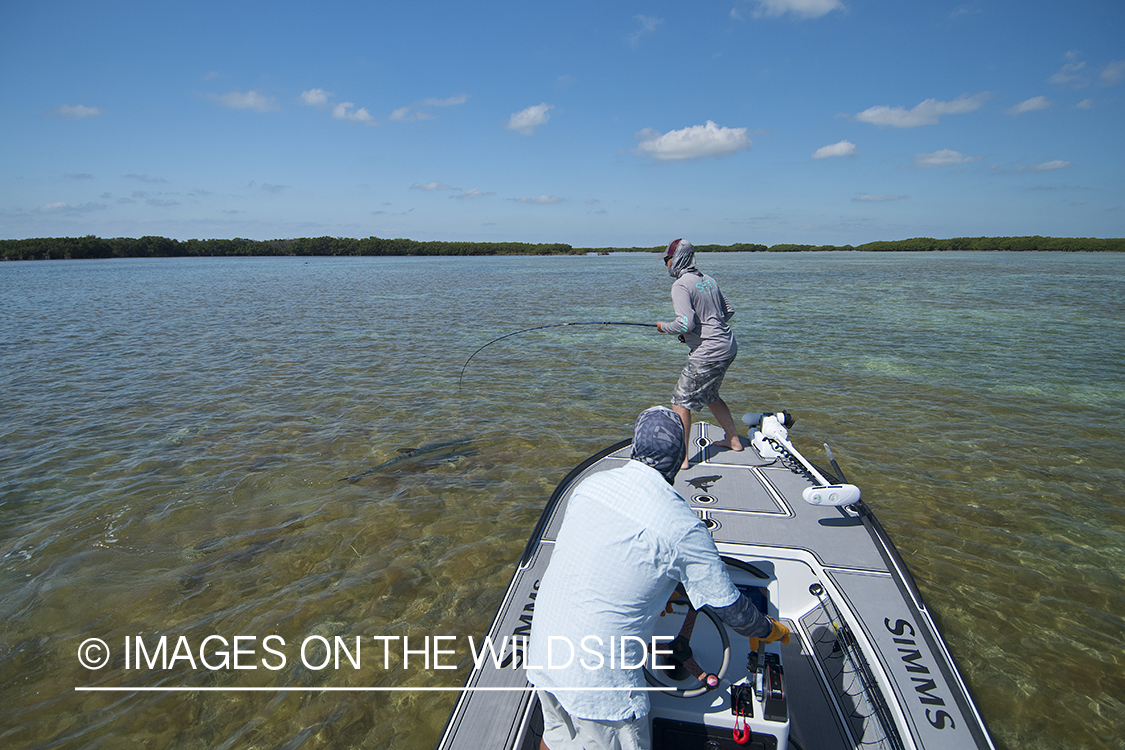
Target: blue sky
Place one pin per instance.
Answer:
(590, 123)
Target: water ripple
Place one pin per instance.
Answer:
(176, 431)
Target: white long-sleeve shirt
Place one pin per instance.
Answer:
(626, 540)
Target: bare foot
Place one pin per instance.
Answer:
(733, 443)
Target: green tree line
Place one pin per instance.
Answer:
(161, 247)
(48, 248)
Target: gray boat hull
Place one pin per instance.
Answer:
(866, 667)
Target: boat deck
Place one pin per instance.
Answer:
(866, 666)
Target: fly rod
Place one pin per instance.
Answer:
(539, 328)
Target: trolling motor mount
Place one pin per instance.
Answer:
(767, 425)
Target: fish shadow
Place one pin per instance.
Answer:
(704, 484)
(426, 455)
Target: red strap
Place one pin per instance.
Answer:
(743, 737)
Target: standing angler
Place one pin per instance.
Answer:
(702, 313)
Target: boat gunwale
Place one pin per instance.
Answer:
(895, 568)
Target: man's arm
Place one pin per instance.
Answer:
(744, 618)
(727, 308)
(686, 319)
(706, 581)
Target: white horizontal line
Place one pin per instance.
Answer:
(179, 689)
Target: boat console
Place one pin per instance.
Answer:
(750, 707)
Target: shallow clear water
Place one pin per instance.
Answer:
(175, 433)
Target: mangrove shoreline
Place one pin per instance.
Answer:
(91, 247)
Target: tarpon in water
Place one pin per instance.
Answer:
(407, 455)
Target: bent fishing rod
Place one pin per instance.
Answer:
(539, 328)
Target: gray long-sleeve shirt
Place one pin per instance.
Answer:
(702, 313)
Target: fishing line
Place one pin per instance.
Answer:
(539, 328)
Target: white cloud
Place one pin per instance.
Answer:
(928, 112)
(843, 148)
(405, 114)
(1047, 166)
(77, 112)
(1030, 105)
(410, 114)
(1073, 73)
(342, 111)
(541, 200)
(1070, 73)
(868, 198)
(526, 121)
(346, 110)
(648, 25)
(800, 8)
(248, 100)
(943, 158)
(431, 186)
(315, 97)
(694, 142)
(62, 207)
(474, 193)
(1113, 73)
(1085, 104)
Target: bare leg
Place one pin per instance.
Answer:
(685, 417)
(722, 413)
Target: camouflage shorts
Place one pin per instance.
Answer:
(699, 383)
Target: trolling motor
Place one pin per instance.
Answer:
(771, 440)
(770, 425)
